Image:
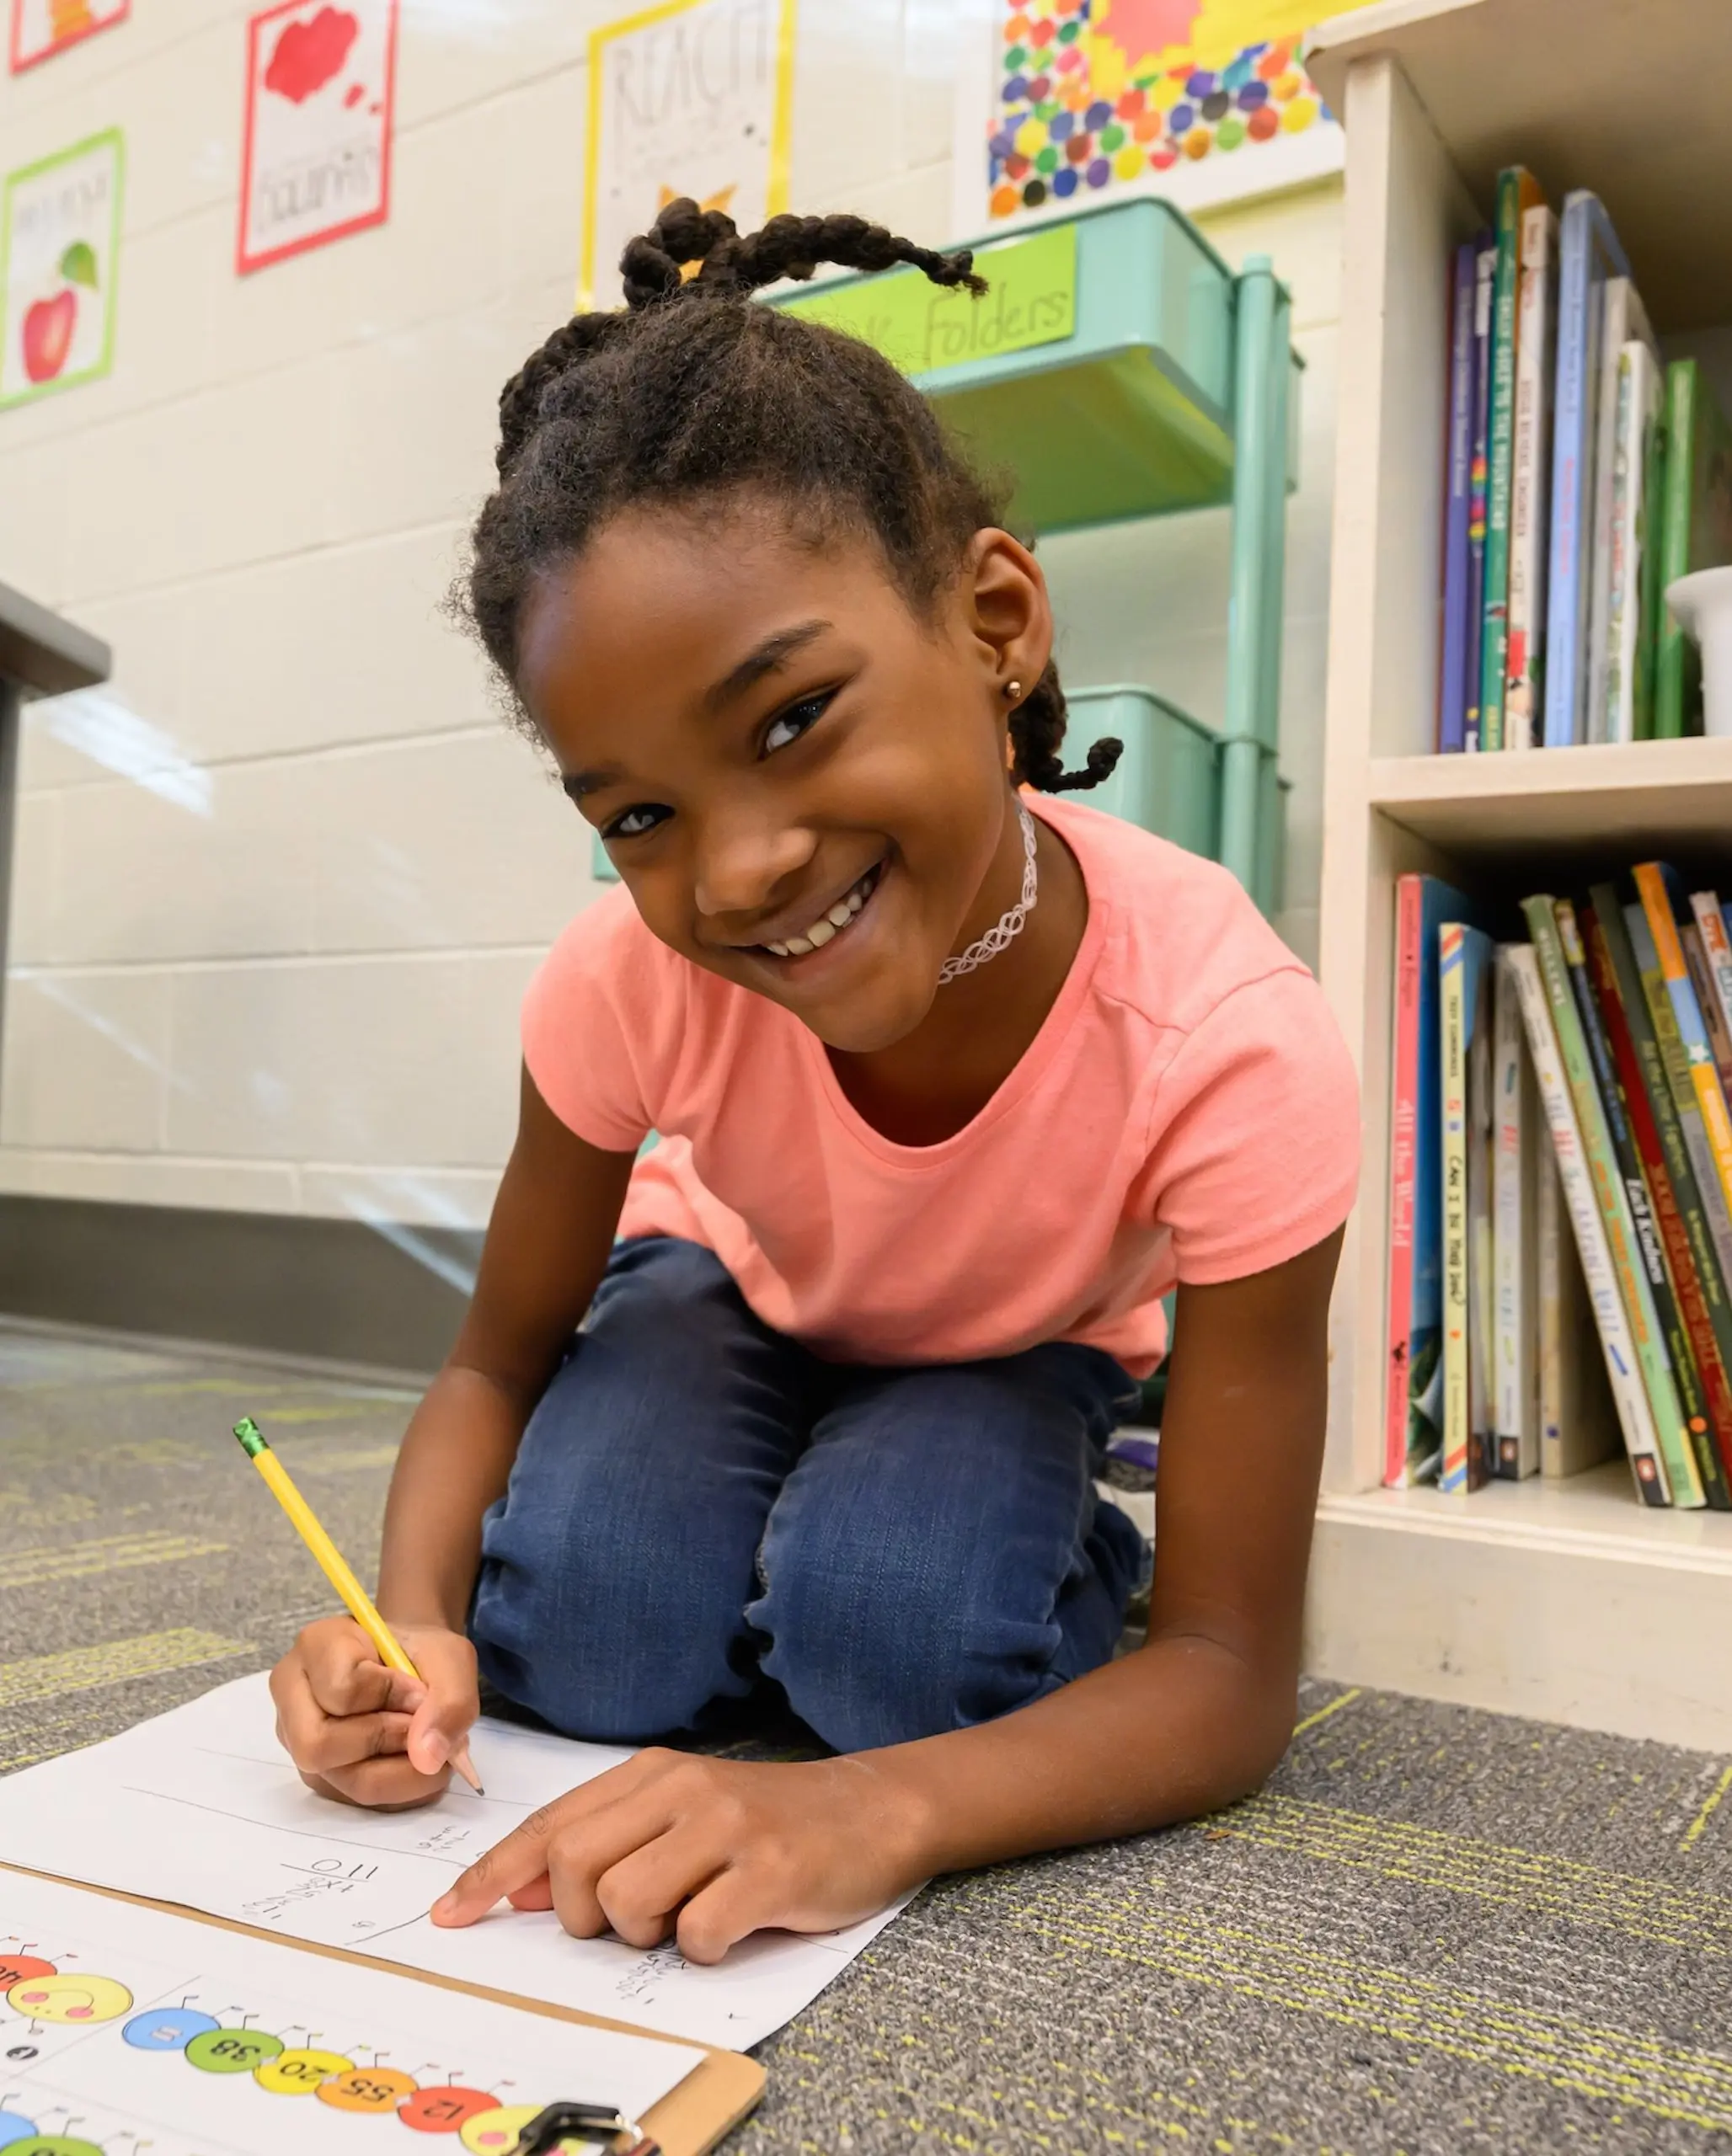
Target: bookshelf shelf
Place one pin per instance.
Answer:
(1566, 1601)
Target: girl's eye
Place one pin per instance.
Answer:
(635, 822)
(798, 719)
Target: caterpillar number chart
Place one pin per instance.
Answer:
(125, 2030)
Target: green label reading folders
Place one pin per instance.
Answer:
(1031, 300)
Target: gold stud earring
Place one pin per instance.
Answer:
(1012, 690)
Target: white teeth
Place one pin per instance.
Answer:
(798, 945)
(843, 912)
(828, 925)
(820, 933)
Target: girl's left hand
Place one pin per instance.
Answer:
(706, 1849)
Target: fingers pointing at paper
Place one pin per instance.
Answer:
(706, 1851)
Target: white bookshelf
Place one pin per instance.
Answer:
(1565, 1600)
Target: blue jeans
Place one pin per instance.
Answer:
(700, 1503)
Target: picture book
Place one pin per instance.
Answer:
(1620, 689)
(1458, 462)
(1662, 902)
(1588, 253)
(1464, 977)
(1479, 481)
(1623, 319)
(1518, 1144)
(1711, 926)
(1529, 492)
(1695, 533)
(1618, 1349)
(1708, 1001)
(1518, 192)
(1578, 1419)
(1628, 1269)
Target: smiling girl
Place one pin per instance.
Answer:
(953, 1081)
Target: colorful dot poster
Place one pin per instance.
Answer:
(316, 153)
(124, 2028)
(1202, 101)
(692, 97)
(60, 244)
(42, 28)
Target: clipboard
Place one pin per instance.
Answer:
(692, 2118)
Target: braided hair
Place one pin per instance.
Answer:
(688, 392)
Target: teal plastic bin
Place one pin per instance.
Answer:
(1168, 779)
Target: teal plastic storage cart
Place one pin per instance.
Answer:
(1120, 369)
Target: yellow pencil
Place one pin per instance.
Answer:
(358, 1601)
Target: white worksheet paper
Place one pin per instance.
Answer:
(124, 2028)
(200, 1806)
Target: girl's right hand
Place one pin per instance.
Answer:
(364, 1734)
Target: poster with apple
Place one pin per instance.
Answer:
(42, 28)
(59, 239)
(316, 159)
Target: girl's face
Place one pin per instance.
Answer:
(772, 743)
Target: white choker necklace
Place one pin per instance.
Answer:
(1008, 926)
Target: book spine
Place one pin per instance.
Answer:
(1683, 1485)
(1691, 1264)
(1478, 482)
(1529, 493)
(1515, 1422)
(1633, 1413)
(1657, 906)
(1708, 1001)
(1513, 185)
(1671, 644)
(1717, 948)
(1649, 604)
(1698, 1438)
(1404, 1117)
(1457, 1469)
(1611, 691)
(1681, 1085)
(1549, 1218)
(1452, 685)
(1598, 509)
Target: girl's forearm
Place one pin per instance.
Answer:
(1178, 1728)
(456, 1459)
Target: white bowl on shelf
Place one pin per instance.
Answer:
(1702, 604)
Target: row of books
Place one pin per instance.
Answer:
(1583, 475)
(1561, 1187)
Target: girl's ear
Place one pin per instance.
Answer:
(1011, 616)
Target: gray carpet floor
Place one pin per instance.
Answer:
(1437, 1931)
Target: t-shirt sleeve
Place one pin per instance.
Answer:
(584, 1043)
(1253, 1133)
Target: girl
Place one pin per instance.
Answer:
(953, 1081)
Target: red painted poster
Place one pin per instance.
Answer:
(42, 28)
(316, 160)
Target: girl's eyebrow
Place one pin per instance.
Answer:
(773, 653)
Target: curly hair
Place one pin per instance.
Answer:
(688, 392)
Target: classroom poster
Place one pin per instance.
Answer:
(42, 28)
(693, 96)
(60, 242)
(1069, 102)
(316, 155)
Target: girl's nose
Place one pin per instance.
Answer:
(739, 866)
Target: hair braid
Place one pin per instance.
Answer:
(670, 401)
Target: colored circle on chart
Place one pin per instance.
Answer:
(298, 2073)
(446, 2109)
(53, 2144)
(232, 2051)
(14, 2127)
(495, 2133)
(78, 2000)
(168, 2029)
(15, 1967)
(368, 2088)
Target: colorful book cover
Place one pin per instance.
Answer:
(1695, 533)
(1653, 1364)
(1479, 481)
(1708, 1001)
(1691, 1261)
(1529, 490)
(1518, 192)
(1610, 1318)
(1701, 1434)
(1717, 947)
(1623, 682)
(1453, 680)
(1681, 1084)
(1587, 252)
(1414, 1408)
(1623, 317)
(1658, 890)
(1578, 1419)
(1516, 1152)
(1463, 969)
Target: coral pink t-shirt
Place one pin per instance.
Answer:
(1187, 1111)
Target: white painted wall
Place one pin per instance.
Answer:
(277, 891)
